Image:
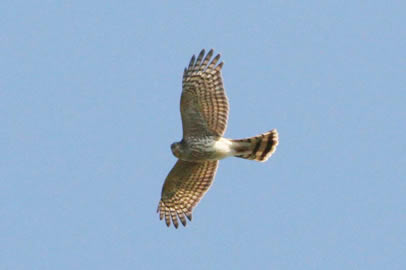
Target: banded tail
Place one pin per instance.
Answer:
(258, 148)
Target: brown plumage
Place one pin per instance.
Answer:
(258, 148)
(185, 185)
(204, 111)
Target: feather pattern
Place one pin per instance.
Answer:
(204, 105)
(184, 187)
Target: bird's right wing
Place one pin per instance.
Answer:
(184, 187)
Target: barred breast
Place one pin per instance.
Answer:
(205, 148)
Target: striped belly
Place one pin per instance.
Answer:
(207, 148)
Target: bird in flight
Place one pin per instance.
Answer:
(204, 112)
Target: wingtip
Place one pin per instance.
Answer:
(182, 218)
(189, 216)
(202, 53)
(220, 66)
(192, 60)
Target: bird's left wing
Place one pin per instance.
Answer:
(204, 104)
(184, 187)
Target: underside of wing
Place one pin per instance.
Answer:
(184, 187)
(204, 104)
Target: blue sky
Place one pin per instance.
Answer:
(89, 105)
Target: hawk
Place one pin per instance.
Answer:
(204, 112)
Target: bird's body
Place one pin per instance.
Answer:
(204, 111)
(203, 148)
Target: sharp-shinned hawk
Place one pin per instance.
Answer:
(204, 111)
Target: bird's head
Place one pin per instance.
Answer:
(175, 147)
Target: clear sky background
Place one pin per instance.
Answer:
(89, 105)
